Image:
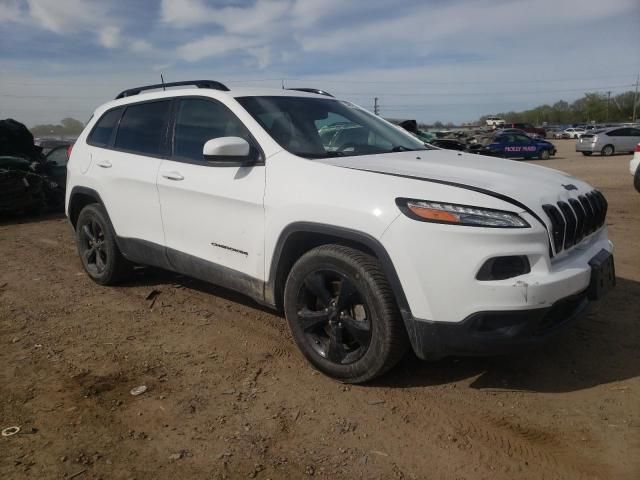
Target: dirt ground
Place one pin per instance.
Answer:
(230, 397)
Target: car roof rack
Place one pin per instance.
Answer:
(312, 90)
(212, 84)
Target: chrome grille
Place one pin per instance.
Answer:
(574, 219)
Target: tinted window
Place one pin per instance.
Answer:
(198, 121)
(101, 133)
(58, 156)
(634, 132)
(142, 128)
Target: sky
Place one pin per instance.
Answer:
(447, 60)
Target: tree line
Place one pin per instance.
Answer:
(67, 126)
(595, 107)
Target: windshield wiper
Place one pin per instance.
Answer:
(401, 148)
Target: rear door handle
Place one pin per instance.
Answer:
(104, 163)
(172, 175)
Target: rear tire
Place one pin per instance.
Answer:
(607, 150)
(96, 242)
(343, 315)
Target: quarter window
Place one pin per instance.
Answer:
(198, 121)
(101, 133)
(142, 128)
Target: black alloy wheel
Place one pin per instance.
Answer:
(333, 316)
(92, 247)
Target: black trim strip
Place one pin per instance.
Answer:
(459, 185)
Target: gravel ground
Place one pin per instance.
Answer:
(228, 395)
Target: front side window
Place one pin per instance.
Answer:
(142, 128)
(322, 127)
(101, 133)
(199, 120)
(58, 156)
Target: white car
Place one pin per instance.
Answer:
(574, 132)
(369, 246)
(634, 167)
(494, 122)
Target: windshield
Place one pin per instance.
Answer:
(320, 128)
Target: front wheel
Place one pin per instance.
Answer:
(342, 314)
(544, 155)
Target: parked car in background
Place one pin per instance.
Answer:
(634, 167)
(54, 168)
(48, 144)
(573, 132)
(494, 122)
(609, 141)
(517, 145)
(449, 144)
(21, 188)
(528, 128)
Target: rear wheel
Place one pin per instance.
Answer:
(587, 154)
(342, 314)
(607, 150)
(97, 246)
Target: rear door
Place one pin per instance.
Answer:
(126, 164)
(213, 215)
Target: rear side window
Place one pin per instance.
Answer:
(101, 133)
(143, 127)
(200, 120)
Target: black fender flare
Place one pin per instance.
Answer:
(342, 233)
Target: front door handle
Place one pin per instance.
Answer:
(104, 163)
(172, 175)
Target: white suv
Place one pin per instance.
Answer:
(369, 245)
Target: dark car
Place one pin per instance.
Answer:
(528, 128)
(21, 188)
(515, 145)
(449, 144)
(54, 168)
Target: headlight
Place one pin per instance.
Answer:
(437, 212)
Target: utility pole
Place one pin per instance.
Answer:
(608, 98)
(376, 107)
(635, 101)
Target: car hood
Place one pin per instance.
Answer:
(522, 184)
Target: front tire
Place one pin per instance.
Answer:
(544, 155)
(342, 314)
(607, 150)
(97, 247)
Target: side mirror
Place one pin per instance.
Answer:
(227, 151)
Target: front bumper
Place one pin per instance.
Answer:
(495, 333)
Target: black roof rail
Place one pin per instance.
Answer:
(312, 90)
(197, 83)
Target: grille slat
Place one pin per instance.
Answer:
(574, 219)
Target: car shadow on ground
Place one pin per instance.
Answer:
(17, 219)
(604, 347)
(157, 278)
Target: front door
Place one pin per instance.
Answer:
(213, 216)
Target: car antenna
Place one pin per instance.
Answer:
(162, 81)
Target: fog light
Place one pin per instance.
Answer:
(501, 268)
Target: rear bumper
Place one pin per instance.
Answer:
(587, 147)
(497, 332)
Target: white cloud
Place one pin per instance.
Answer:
(61, 16)
(214, 45)
(185, 13)
(141, 46)
(10, 11)
(109, 37)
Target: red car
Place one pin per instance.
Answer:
(527, 127)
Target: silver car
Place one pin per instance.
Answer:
(609, 141)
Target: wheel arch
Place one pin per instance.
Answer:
(300, 237)
(79, 198)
